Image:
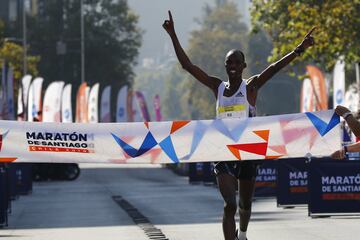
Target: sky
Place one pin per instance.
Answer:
(152, 13)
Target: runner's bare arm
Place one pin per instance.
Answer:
(259, 80)
(340, 154)
(198, 73)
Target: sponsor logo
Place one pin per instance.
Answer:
(60, 142)
(339, 96)
(34, 111)
(67, 114)
(121, 112)
(239, 94)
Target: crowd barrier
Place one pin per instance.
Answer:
(266, 179)
(292, 182)
(334, 187)
(4, 196)
(15, 180)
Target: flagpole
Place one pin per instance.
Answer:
(358, 80)
(82, 42)
(24, 40)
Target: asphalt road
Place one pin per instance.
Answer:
(170, 207)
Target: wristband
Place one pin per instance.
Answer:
(345, 115)
(299, 50)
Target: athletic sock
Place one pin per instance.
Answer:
(242, 235)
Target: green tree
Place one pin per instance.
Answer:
(13, 54)
(287, 21)
(281, 87)
(112, 39)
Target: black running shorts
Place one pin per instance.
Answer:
(243, 170)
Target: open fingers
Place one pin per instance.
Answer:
(310, 32)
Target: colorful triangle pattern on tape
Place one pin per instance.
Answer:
(322, 127)
(235, 133)
(2, 136)
(149, 143)
(259, 148)
(198, 135)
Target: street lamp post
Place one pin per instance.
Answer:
(357, 72)
(24, 42)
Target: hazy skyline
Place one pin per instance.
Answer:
(156, 42)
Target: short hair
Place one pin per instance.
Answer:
(235, 51)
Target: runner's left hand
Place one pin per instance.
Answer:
(308, 40)
(339, 154)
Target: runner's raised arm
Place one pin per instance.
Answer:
(259, 80)
(198, 73)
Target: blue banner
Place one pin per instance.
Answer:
(196, 172)
(20, 179)
(266, 179)
(292, 182)
(4, 199)
(334, 187)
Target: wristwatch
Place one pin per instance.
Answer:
(345, 115)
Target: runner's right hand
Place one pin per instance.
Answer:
(341, 110)
(168, 25)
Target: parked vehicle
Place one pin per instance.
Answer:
(55, 171)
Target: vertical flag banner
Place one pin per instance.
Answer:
(3, 90)
(105, 105)
(20, 105)
(121, 105)
(87, 93)
(135, 108)
(307, 96)
(35, 100)
(157, 108)
(23, 97)
(66, 106)
(10, 95)
(142, 105)
(52, 102)
(93, 108)
(284, 136)
(352, 98)
(129, 106)
(319, 86)
(339, 83)
(3, 76)
(81, 104)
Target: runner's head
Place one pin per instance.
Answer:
(235, 63)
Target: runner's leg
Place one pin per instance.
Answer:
(246, 191)
(227, 186)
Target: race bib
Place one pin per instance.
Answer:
(232, 111)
